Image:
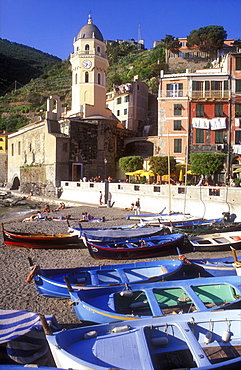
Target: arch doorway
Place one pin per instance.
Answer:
(16, 184)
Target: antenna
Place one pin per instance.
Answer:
(139, 33)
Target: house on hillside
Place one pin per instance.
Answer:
(201, 112)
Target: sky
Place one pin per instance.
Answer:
(51, 25)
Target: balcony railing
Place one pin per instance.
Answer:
(200, 95)
(87, 52)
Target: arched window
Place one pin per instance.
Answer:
(76, 78)
(99, 79)
(98, 49)
(87, 48)
(86, 77)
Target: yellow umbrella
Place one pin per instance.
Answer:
(138, 172)
(129, 173)
(189, 172)
(181, 176)
(147, 174)
(237, 170)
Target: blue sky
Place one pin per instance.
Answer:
(51, 25)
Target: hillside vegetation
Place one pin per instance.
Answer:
(21, 63)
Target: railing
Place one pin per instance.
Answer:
(87, 52)
(204, 94)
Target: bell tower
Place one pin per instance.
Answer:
(89, 68)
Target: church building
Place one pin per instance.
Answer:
(86, 141)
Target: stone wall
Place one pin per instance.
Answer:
(33, 178)
(3, 167)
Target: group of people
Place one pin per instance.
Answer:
(136, 207)
(46, 210)
(86, 217)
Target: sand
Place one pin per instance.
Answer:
(14, 268)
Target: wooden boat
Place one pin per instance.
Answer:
(51, 282)
(116, 233)
(156, 299)
(152, 246)
(196, 341)
(206, 228)
(215, 242)
(31, 240)
(210, 267)
(164, 219)
(182, 221)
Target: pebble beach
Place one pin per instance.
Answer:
(14, 266)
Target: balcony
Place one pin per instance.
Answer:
(87, 52)
(210, 95)
(196, 95)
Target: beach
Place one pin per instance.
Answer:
(14, 266)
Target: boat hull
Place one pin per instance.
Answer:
(176, 342)
(157, 299)
(215, 242)
(51, 282)
(43, 241)
(163, 245)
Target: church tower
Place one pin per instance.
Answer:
(89, 70)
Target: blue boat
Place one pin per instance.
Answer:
(188, 341)
(116, 233)
(144, 247)
(156, 299)
(51, 282)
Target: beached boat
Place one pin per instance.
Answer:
(210, 267)
(132, 248)
(156, 299)
(197, 341)
(31, 240)
(215, 242)
(164, 218)
(51, 282)
(198, 228)
(182, 221)
(110, 234)
(22, 338)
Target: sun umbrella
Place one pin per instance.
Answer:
(181, 176)
(138, 172)
(147, 174)
(129, 173)
(237, 170)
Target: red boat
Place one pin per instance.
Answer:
(42, 241)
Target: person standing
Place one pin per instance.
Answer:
(101, 202)
(137, 207)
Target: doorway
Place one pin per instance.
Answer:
(77, 171)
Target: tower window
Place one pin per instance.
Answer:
(98, 49)
(99, 79)
(76, 78)
(87, 48)
(86, 77)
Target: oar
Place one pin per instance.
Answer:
(235, 256)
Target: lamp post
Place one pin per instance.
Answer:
(106, 183)
(105, 163)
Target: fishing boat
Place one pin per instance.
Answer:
(22, 338)
(209, 267)
(51, 282)
(215, 242)
(197, 341)
(182, 221)
(152, 246)
(156, 299)
(112, 234)
(164, 218)
(43, 241)
(198, 228)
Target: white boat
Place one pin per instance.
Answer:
(190, 341)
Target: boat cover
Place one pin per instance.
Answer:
(22, 334)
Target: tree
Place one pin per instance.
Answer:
(171, 44)
(131, 164)
(208, 39)
(159, 165)
(207, 163)
(13, 123)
